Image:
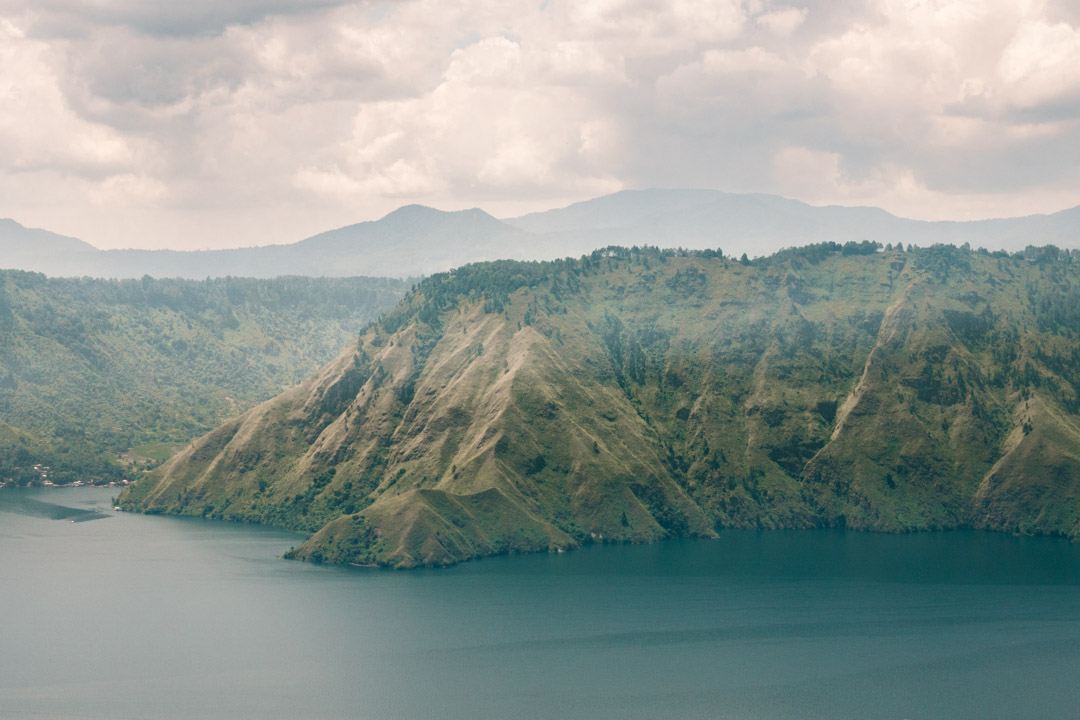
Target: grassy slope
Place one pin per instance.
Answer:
(519, 407)
(106, 365)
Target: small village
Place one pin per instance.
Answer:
(41, 476)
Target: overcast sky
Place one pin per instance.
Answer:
(206, 123)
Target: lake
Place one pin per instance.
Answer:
(117, 615)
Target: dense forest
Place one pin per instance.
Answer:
(635, 394)
(91, 369)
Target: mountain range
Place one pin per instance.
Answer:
(415, 240)
(636, 394)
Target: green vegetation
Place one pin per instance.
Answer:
(90, 369)
(156, 451)
(636, 394)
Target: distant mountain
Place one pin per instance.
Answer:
(409, 242)
(762, 224)
(23, 248)
(415, 240)
(635, 395)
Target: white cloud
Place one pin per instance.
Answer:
(266, 120)
(38, 128)
(734, 62)
(484, 129)
(656, 26)
(782, 22)
(1041, 65)
(572, 62)
(820, 178)
(127, 190)
(492, 61)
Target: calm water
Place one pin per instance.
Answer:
(111, 615)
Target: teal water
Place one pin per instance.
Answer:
(116, 615)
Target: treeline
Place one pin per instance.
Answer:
(494, 282)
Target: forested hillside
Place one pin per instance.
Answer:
(637, 394)
(92, 368)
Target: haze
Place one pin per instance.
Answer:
(153, 124)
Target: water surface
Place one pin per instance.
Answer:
(118, 615)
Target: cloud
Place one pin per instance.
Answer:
(1040, 67)
(38, 129)
(821, 178)
(163, 18)
(656, 26)
(782, 22)
(267, 120)
(483, 129)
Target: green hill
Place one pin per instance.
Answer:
(635, 394)
(92, 368)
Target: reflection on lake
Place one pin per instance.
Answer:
(150, 617)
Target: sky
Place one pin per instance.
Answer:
(210, 124)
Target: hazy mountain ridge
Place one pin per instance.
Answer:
(415, 240)
(634, 395)
(410, 241)
(763, 224)
(25, 248)
(89, 366)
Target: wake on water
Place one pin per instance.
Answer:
(13, 502)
